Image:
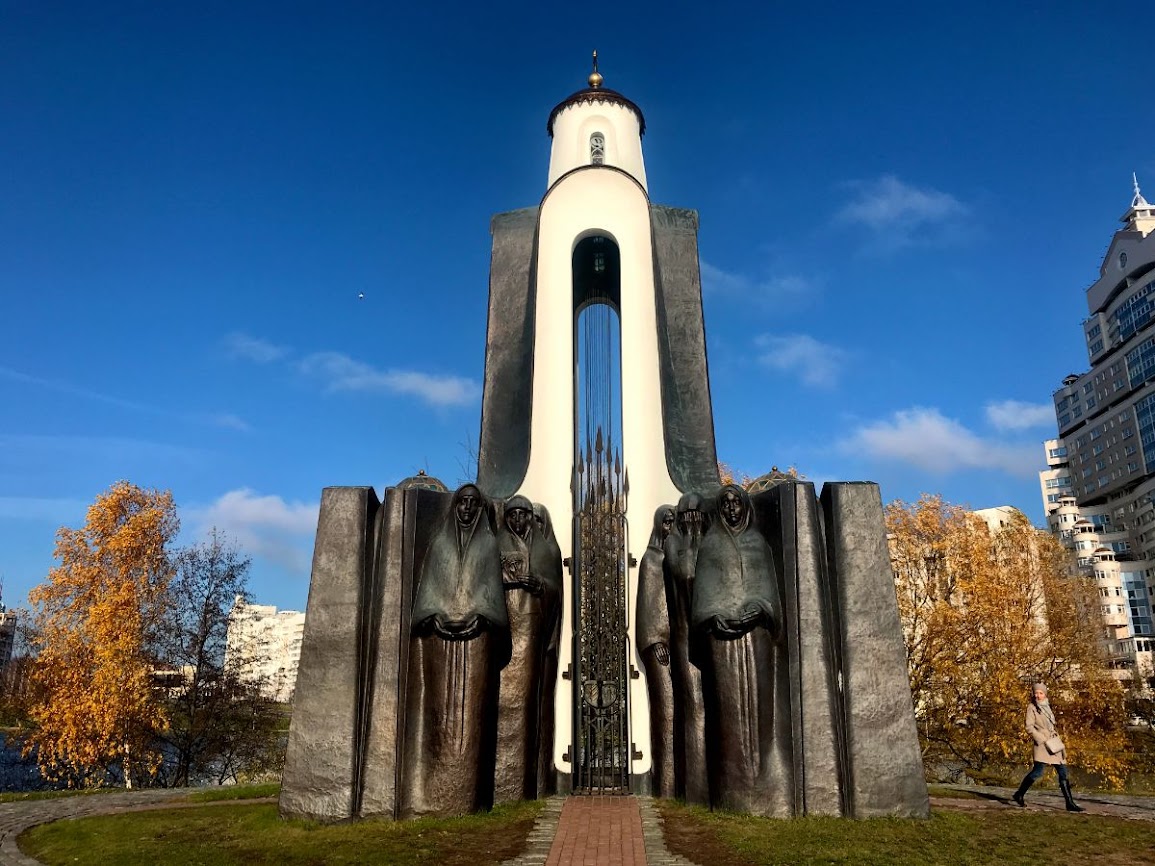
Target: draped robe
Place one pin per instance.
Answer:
(458, 641)
(532, 624)
(681, 551)
(653, 628)
(736, 616)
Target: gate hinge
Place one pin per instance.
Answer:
(634, 675)
(565, 756)
(634, 753)
(567, 674)
(633, 561)
(568, 563)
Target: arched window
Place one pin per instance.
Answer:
(597, 149)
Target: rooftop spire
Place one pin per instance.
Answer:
(595, 78)
(1137, 201)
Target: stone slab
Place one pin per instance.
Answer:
(884, 762)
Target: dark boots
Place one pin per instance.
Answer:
(1072, 806)
(1064, 786)
(1023, 788)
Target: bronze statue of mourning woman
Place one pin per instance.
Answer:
(532, 583)
(737, 641)
(653, 639)
(459, 641)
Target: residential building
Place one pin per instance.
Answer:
(1100, 476)
(7, 634)
(264, 646)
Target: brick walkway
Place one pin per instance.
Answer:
(599, 831)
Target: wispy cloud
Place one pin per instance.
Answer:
(815, 363)
(925, 438)
(339, 372)
(773, 289)
(898, 214)
(212, 419)
(267, 526)
(1016, 415)
(238, 345)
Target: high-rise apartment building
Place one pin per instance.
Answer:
(264, 646)
(1100, 478)
(7, 634)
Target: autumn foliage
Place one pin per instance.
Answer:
(986, 612)
(94, 711)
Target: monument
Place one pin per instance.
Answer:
(597, 613)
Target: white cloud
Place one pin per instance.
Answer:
(265, 526)
(815, 363)
(239, 345)
(784, 287)
(899, 214)
(1016, 415)
(339, 372)
(925, 438)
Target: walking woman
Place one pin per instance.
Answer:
(1049, 749)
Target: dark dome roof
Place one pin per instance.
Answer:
(596, 94)
(421, 481)
(771, 479)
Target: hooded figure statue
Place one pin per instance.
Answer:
(736, 617)
(546, 559)
(459, 639)
(653, 629)
(681, 553)
(531, 575)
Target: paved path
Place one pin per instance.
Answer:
(15, 818)
(1043, 799)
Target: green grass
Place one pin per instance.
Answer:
(235, 792)
(1007, 837)
(254, 834)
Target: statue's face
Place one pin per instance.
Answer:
(732, 508)
(667, 523)
(539, 519)
(517, 519)
(468, 502)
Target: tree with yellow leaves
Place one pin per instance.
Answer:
(986, 612)
(95, 714)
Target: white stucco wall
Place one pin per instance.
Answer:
(585, 203)
(573, 127)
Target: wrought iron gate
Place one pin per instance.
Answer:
(602, 744)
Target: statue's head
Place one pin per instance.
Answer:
(664, 521)
(519, 516)
(734, 507)
(689, 510)
(541, 519)
(467, 504)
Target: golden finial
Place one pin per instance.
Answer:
(595, 78)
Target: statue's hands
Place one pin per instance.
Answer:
(662, 653)
(532, 583)
(459, 630)
(511, 571)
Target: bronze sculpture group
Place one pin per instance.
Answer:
(484, 635)
(712, 638)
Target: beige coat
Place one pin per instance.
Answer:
(1041, 730)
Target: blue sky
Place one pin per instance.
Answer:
(900, 211)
